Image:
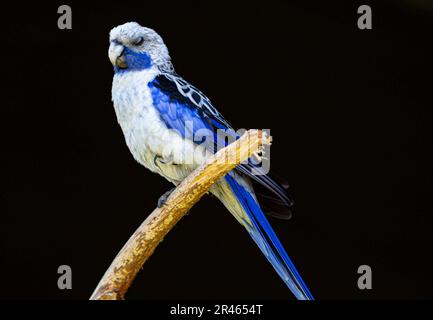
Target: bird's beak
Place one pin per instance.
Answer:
(116, 53)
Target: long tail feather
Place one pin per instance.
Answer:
(264, 236)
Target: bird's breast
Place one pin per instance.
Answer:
(146, 135)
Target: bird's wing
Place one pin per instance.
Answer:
(178, 103)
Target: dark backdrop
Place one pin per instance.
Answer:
(349, 110)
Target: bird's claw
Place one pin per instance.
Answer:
(163, 199)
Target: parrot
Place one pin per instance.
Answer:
(160, 115)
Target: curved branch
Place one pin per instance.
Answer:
(122, 271)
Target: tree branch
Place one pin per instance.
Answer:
(122, 271)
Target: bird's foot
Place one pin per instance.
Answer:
(163, 199)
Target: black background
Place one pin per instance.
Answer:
(351, 116)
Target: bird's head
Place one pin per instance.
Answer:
(133, 47)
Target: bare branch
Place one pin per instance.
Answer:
(120, 275)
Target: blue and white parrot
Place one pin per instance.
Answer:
(160, 113)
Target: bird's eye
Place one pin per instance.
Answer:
(139, 41)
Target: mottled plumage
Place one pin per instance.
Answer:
(167, 124)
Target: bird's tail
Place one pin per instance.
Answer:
(264, 236)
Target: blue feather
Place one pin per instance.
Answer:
(176, 112)
(277, 256)
(136, 61)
